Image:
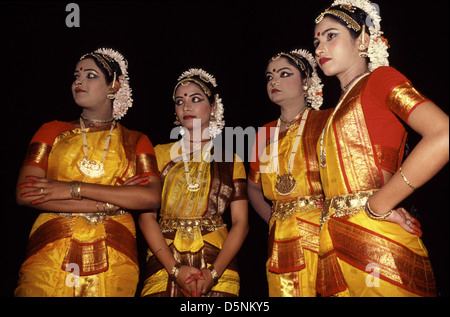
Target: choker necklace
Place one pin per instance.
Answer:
(197, 145)
(323, 150)
(92, 122)
(193, 187)
(289, 123)
(92, 168)
(286, 183)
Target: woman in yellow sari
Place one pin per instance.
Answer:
(84, 241)
(191, 252)
(368, 248)
(285, 170)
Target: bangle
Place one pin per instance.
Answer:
(175, 271)
(75, 190)
(375, 216)
(160, 249)
(214, 274)
(406, 180)
(110, 209)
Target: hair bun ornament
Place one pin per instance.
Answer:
(123, 99)
(315, 93)
(378, 45)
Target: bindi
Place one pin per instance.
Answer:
(274, 70)
(318, 33)
(185, 95)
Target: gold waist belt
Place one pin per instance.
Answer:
(91, 217)
(345, 205)
(285, 208)
(189, 224)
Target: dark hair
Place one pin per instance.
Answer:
(111, 63)
(290, 57)
(195, 79)
(359, 15)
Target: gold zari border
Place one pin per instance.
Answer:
(398, 264)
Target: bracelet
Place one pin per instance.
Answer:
(406, 180)
(375, 216)
(75, 190)
(175, 271)
(160, 249)
(214, 274)
(109, 209)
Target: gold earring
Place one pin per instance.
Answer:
(111, 95)
(177, 121)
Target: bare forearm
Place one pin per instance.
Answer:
(155, 240)
(258, 202)
(231, 246)
(429, 156)
(128, 197)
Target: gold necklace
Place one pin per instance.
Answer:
(193, 187)
(323, 150)
(289, 123)
(286, 183)
(92, 122)
(92, 168)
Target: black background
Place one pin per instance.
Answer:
(233, 40)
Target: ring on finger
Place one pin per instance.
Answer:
(408, 222)
(42, 191)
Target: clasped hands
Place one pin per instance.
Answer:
(194, 282)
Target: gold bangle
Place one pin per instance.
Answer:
(214, 274)
(75, 190)
(175, 271)
(375, 216)
(406, 180)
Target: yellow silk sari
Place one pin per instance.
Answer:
(294, 225)
(71, 254)
(191, 221)
(359, 256)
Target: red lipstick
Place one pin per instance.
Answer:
(78, 90)
(188, 117)
(274, 91)
(324, 60)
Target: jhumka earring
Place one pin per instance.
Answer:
(362, 47)
(176, 122)
(305, 91)
(111, 95)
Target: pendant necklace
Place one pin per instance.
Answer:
(193, 187)
(92, 168)
(286, 183)
(345, 91)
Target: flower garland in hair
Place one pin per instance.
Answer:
(122, 100)
(315, 93)
(216, 122)
(378, 45)
(206, 77)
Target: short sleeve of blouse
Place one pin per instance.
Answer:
(389, 87)
(146, 158)
(42, 142)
